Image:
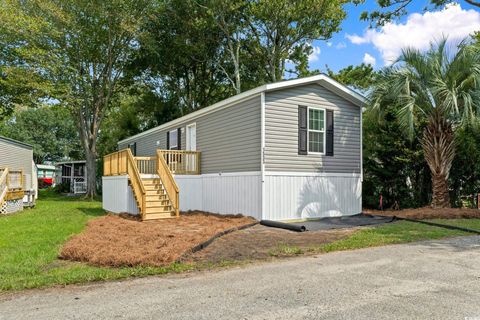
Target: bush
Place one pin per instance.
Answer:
(63, 187)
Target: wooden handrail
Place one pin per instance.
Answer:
(123, 162)
(3, 185)
(182, 161)
(168, 182)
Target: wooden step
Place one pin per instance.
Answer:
(153, 187)
(151, 183)
(157, 203)
(155, 193)
(156, 197)
(153, 216)
(159, 209)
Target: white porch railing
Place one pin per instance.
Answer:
(79, 187)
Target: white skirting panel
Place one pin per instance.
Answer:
(297, 196)
(117, 195)
(228, 193)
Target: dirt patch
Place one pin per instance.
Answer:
(115, 241)
(260, 242)
(430, 213)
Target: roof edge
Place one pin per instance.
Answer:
(16, 142)
(342, 90)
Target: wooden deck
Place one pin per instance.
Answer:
(157, 196)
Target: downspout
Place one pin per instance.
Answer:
(262, 153)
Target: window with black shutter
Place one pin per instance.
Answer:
(315, 131)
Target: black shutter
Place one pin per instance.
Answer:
(302, 130)
(329, 138)
(179, 139)
(168, 140)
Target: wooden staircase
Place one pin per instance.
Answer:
(157, 198)
(157, 203)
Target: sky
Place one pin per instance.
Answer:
(356, 43)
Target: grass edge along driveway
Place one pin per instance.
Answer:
(30, 242)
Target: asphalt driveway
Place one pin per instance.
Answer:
(428, 280)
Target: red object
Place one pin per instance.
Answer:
(48, 181)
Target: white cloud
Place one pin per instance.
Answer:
(420, 30)
(315, 55)
(369, 59)
(329, 44)
(355, 39)
(341, 45)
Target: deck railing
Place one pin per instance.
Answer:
(3, 184)
(146, 165)
(182, 161)
(168, 182)
(122, 162)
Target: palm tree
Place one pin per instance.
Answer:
(436, 91)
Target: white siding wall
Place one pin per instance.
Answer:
(304, 195)
(229, 193)
(117, 195)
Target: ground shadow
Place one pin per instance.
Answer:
(95, 212)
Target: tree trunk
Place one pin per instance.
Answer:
(438, 144)
(88, 138)
(91, 173)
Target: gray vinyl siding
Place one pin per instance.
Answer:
(281, 131)
(18, 157)
(228, 139)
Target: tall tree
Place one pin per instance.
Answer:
(392, 165)
(393, 9)
(281, 29)
(82, 48)
(228, 16)
(360, 77)
(179, 55)
(51, 130)
(440, 89)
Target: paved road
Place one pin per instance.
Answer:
(429, 280)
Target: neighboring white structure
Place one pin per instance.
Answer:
(288, 150)
(73, 173)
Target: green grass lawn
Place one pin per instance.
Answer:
(31, 240)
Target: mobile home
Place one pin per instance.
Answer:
(287, 150)
(18, 178)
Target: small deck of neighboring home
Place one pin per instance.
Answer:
(18, 182)
(151, 179)
(72, 174)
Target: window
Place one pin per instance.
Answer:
(316, 130)
(173, 139)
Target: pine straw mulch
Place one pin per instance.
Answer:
(116, 241)
(429, 213)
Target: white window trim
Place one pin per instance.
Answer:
(170, 134)
(308, 130)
